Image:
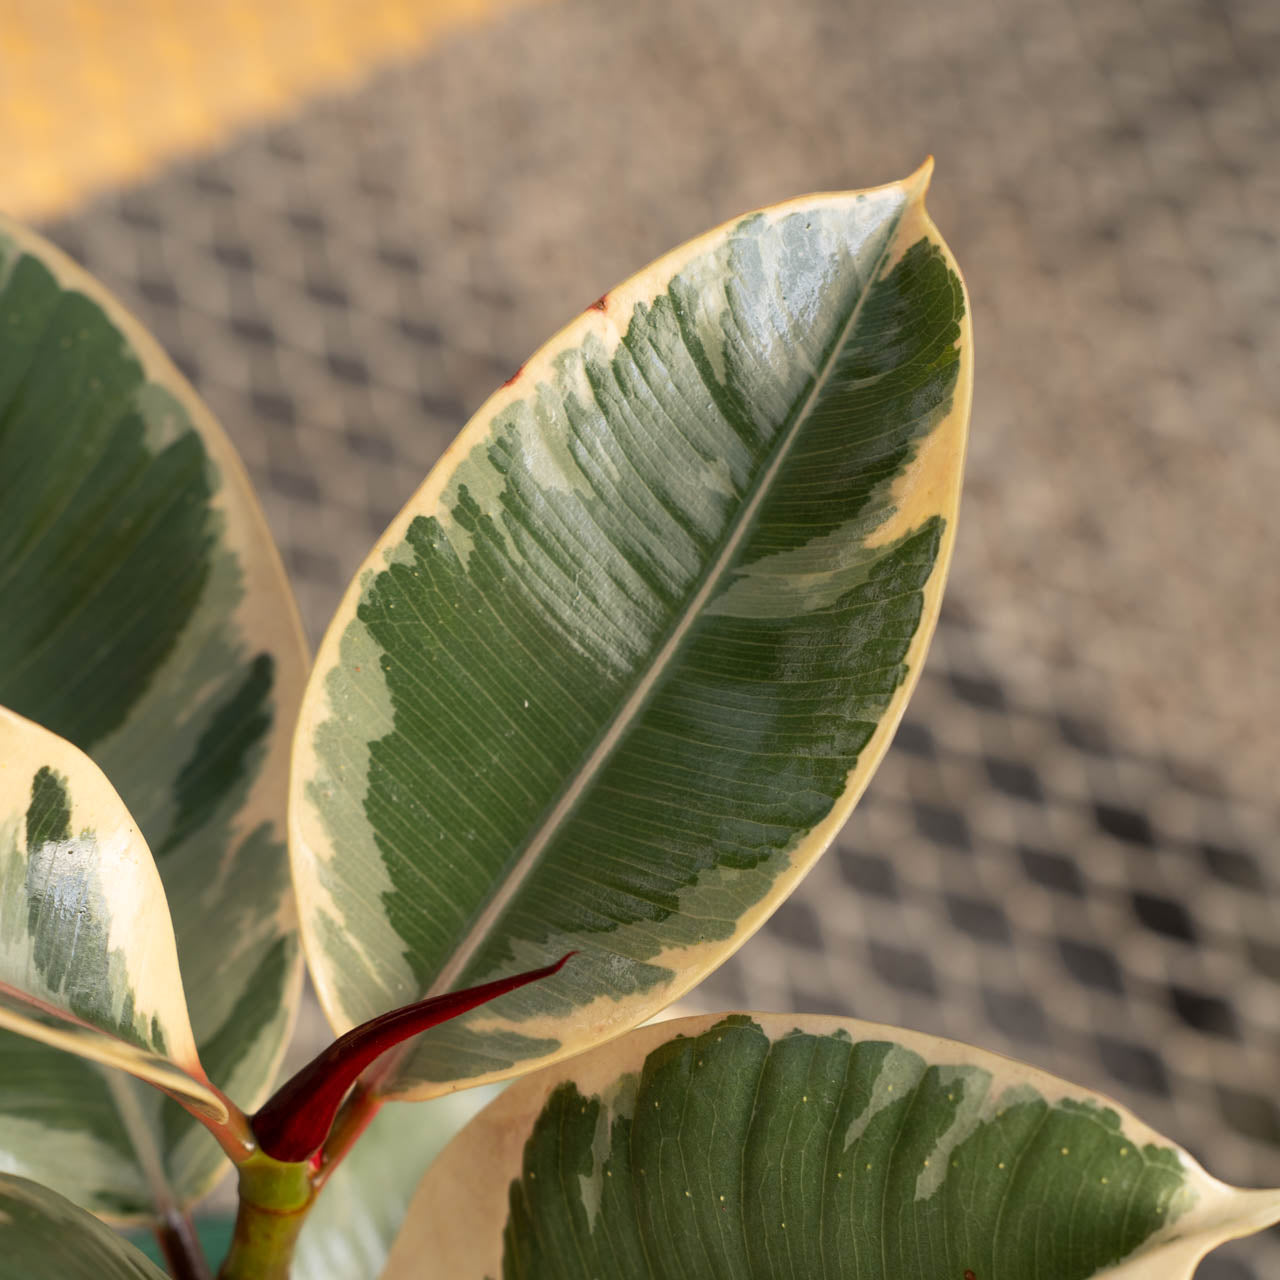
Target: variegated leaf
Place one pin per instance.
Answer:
(618, 672)
(45, 1237)
(88, 961)
(146, 619)
(800, 1147)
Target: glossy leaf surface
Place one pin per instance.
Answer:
(618, 672)
(87, 957)
(45, 1236)
(148, 621)
(809, 1148)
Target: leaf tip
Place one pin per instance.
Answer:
(917, 184)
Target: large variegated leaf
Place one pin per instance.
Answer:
(813, 1148)
(618, 672)
(146, 619)
(45, 1237)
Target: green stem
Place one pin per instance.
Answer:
(274, 1200)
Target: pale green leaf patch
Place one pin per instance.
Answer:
(622, 667)
(349, 1231)
(754, 1146)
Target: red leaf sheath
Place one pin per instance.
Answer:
(293, 1124)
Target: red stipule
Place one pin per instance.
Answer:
(293, 1124)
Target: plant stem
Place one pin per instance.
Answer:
(181, 1247)
(234, 1135)
(274, 1199)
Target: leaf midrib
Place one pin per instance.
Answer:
(595, 759)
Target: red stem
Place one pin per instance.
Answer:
(293, 1124)
(181, 1247)
(354, 1117)
(234, 1135)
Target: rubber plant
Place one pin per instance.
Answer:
(594, 703)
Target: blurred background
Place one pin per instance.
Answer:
(348, 220)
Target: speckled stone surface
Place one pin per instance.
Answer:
(1071, 853)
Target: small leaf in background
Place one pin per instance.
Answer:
(779, 1145)
(148, 621)
(360, 1210)
(618, 672)
(43, 1236)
